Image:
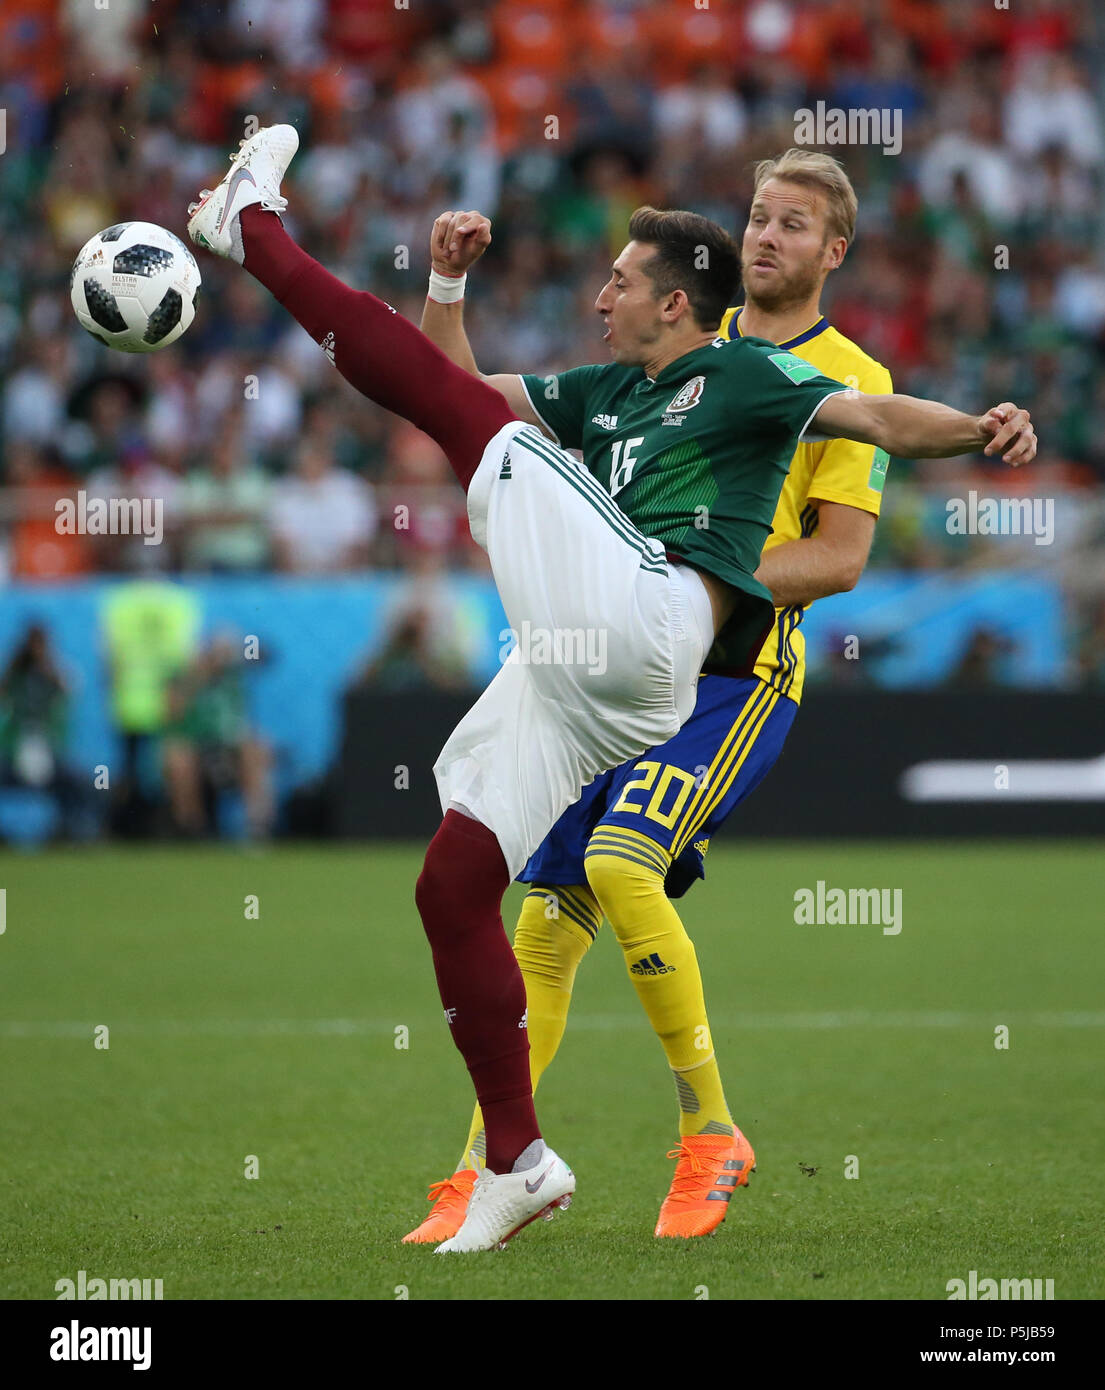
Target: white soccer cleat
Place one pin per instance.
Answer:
(501, 1204)
(254, 176)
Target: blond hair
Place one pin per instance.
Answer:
(820, 171)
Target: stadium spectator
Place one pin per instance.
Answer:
(289, 29)
(110, 422)
(34, 396)
(145, 498)
(704, 112)
(970, 146)
(435, 92)
(322, 518)
(418, 502)
(151, 634)
(210, 748)
(409, 658)
(78, 198)
(167, 421)
(1089, 647)
(985, 661)
(36, 549)
(34, 713)
(224, 509)
(111, 44)
(1048, 106)
(435, 632)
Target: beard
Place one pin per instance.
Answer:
(784, 292)
(637, 352)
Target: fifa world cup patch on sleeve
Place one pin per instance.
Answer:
(877, 479)
(796, 369)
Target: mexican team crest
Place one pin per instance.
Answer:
(689, 396)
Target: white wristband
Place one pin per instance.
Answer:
(446, 289)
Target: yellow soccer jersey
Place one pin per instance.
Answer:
(834, 470)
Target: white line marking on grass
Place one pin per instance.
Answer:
(599, 1023)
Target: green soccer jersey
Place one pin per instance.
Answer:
(696, 458)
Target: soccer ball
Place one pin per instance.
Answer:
(134, 287)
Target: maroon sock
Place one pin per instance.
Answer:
(375, 349)
(459, 894)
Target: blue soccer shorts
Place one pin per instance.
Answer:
(679, 793)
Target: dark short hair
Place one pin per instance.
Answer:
(694, 255)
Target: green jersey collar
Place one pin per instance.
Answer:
(679, 367)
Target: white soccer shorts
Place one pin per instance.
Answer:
(609, 642)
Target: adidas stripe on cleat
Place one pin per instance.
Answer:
(709, 1170)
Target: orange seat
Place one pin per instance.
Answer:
(533, 38)
(31, 44)
(605, 33)
(682, 38)
(521, 99)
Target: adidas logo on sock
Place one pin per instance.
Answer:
(651, 965)
(327, 346)
(504, 472)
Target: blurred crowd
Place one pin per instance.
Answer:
(978, 273)
(178, 705)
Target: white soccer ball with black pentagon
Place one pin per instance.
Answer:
(134, 287)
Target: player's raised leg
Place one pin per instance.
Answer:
(374, 348)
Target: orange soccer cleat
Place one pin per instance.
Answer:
(710, 1168)
(450, 1203)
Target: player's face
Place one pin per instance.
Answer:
(630, 312)
(787, 251)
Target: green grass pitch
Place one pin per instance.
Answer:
(276, 1037)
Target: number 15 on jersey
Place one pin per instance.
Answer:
(622, 463)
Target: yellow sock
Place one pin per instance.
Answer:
(626, 871)
(555, 928)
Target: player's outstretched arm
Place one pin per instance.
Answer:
(915, 428)
(457, 241)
